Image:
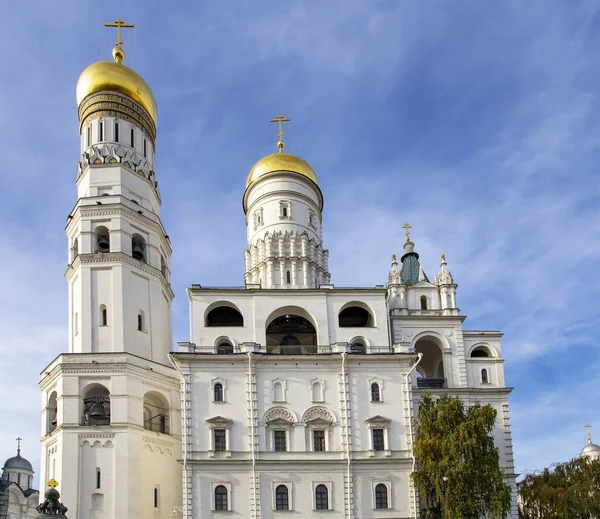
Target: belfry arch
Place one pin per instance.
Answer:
(431, 368)
(291, 334)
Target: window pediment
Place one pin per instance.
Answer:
(279, 415)
(318, 415)
(219, 422)
(378, 421)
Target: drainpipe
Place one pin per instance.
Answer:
(410, 428)
(252, 433)
(186, 511)
(347, 431)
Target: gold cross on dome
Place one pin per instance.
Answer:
(280, 119)
(407, 227)
(589, 429)
(19, 440)
(52, 483)
(118, 24)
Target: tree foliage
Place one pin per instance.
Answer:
(458, 474)
(564, 491)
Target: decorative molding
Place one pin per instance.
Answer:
(279, 414)
(219, 422)
(318, 414)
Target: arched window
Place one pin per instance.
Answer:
(357, 347)
(96, 405)
(288, 277)
(98, 478)
(321, 498)
(225, 348)
(88, 136)
(100, 130)
(284, 212)
(75, 248)
(116, 132)
(141, 325)
(224, 316)
(375, 395)
(480, 352)
(103, 316)
(381, 497)
(156, 497)
(145, 150)
(132, 138)
(138, 247)
(484, 376)
(156, 413)
(354, 316)
(218, 391)
(102, 238)
(163, 266)
(52, 411)
(220, 498)
(278, 392)
(423, 302)
(282, 498)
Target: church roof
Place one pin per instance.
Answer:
(17, 463)
(411, 272)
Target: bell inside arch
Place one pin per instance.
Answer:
(103, 243)
(97, 411)
(138, 251)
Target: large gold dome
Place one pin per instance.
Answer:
(281, 162)
(113, 76)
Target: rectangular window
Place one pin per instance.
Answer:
(378, 443)
(220, 440)
(89, 135)
(319, 440)
(144, 147)
(100, 131)
(116, 132)
(132, 138)
(279, 440)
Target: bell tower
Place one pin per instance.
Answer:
(110, 426)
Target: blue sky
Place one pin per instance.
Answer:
(477, 122)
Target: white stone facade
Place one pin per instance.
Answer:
(291, 394)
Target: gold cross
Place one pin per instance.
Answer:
(19, 439)
(118, 24)
(280, 119)
(443, 256)
(407, 227)
(52, 483)
(589, 428)
(393, 257)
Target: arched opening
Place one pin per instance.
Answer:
(381, 497)
(358, 346)
(138, 247)
(291, 334)
(98, 478)
(156, 497)
(282, 498)
(156, 413)
(423, 302)
(52, 412)
(224, 347)
(484, 376)
(220, 498)
(102, 239)
(218, 392)
(375, 393)
(163, 266)
(354, 316)
(480, 352)
(431, 365)
(103, 317)
(321, 498)
(224, 316)
(288, 277)
(75, 248)
(141, 322)
(96, 405)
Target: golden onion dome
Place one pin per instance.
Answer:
(281, 162)
(113, 76)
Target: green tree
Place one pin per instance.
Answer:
(564, 491)
(458, 475)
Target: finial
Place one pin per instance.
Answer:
(443, 256)
(19, 440)
(589, 430)
(118, 52)
(280, 119)
(407, 227)
(393, 258)
(52, 483)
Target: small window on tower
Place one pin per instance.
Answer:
(140, 321)
(116, 132)
(98, 478)
(423, 302)
(288, 277)
(144, 147)
(156, 497)
(132, 138)
(284, 212)
(88, 136)
(103, 316)
(100, 131)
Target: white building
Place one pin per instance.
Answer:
(295, 395)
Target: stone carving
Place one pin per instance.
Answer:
(279, 414)
(318, 414)
(107, 153)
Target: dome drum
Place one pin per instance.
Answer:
(110, 104)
